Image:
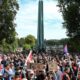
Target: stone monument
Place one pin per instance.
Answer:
(40, 33)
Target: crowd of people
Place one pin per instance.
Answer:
(13, 66)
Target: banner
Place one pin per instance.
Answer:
(52, 66)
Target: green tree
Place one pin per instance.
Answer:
(8, 11)
(57, 42)
(21, 42)
(71, 14)
(26, 47)
(9, 47)
(30, 39)
(14, 45)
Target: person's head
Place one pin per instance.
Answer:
(67, 70)
(7, 65)
(31, 74)
(11, 65)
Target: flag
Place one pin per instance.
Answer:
(29, 58)
(66, 50)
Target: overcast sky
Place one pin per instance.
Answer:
(27, 19)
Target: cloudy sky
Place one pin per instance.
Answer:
(27, 19)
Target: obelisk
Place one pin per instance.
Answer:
(40, 33)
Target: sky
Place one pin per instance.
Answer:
(27, 19)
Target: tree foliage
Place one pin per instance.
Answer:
(71, 14)
(57, 42)
(21, 42)
(26, 47)
(8, 10)
(30, 39)
(5, 47)
(74, 45)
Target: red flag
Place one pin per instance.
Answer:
(29, 58)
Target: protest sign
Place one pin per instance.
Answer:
(39, 66)
(52, 66)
